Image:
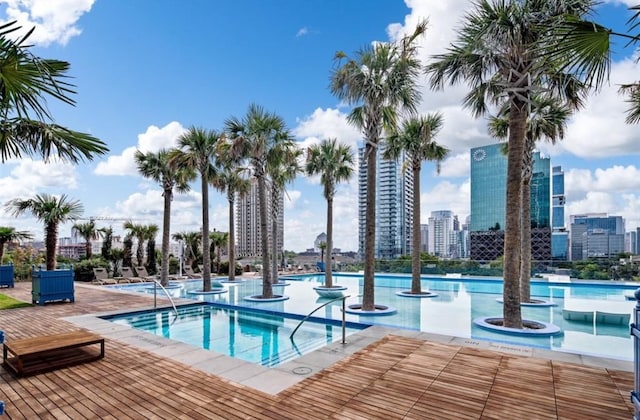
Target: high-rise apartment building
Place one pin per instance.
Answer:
(248, 232)
(488, 204)
(443, 241)
(596, 235)
(394, 205)
(631, 242)
(424, 238)
(559, 233)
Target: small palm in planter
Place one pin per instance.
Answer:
(334, 163)
(9, 234)
(52, 211)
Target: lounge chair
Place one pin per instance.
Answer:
(612, 318)
(578, 316)
(102, 277)
(188, 271)
(127, 273)
(142, 273)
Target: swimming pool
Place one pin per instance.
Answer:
(459, 302)
(254, 336)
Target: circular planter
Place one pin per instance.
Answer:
(259, 298)
(330, 292)
(407, 293)
(531, 328)
(280, 284)
(212, 292)
(534, 303)
(356, 309)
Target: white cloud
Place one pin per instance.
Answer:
(151, 140)
(445, 196)
(455, 166)
(327, 123)
(55, 21)
(302, 32)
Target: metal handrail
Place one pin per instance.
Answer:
(344, 322)
(156, 283)
(635, 332)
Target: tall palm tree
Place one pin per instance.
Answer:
(254, 137)
(10, 234)
(379, 81)
(52, 211)
(156, 166)
(197, 151)
(548, 122)
(26, 82)
(191, 245)
(139, 231)
(334, 162)
(232, 181)
(107, 243)
(507, 51)
(416, 137)
(282, 166)
(88, 232)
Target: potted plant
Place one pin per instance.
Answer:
(49, 284)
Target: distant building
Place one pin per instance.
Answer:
(248, 233)
(631, 242)
(596, 235)
(442, 235)
(424, 238)
(394, 206)
(488, 204)
(320, 239)
(559, 233)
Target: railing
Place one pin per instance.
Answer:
(157, 283)
(344, 322)
(635, 332)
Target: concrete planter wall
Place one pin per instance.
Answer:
(6, 275)
(54, 285)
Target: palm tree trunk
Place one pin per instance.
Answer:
(206, 244)
(231, 246)
(525, 257)
(416, 286)
(87, 248)
(51, 241)
(2, 244)
(328, 280)
(267, 289)
(513, 224)
(368, 296)
(166, 233)
(274, 247)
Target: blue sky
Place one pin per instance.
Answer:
(146, 70)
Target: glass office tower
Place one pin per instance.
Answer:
(559, 234)
(488, 204)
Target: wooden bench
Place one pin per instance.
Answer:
(40, 354)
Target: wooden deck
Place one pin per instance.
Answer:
(394, 378)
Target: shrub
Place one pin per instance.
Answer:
(224, 268)
(84, 269)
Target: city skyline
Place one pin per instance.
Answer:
(143, 86)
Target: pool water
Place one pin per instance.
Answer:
(459, 302)
(255, 337)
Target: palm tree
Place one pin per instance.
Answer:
(196, 151)
(254, 137)
(381, 79)
(52, 211)
(416, 138)
(191, 245)
(107, 243)
(26, 83)
(232, 181)
(88, 232)
(218, 241)
(138, 231)
(150, 232)
(156, 166)
(10, 234)
(282, 167)
(549, 121)
(334, 163)
(507, 51)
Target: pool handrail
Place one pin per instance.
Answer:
(155, 304)
(344, 322)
